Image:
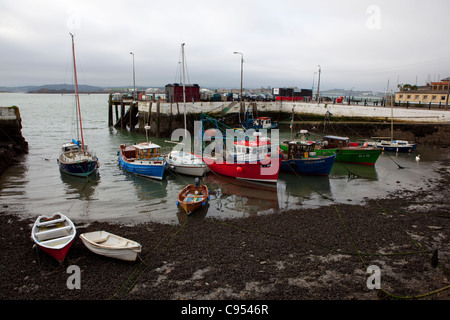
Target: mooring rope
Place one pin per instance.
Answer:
(134, 277)
(365, 266)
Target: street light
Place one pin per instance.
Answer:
(350, 95)
(242, 68)
(318, 85)
(134, 79)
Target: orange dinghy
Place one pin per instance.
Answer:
(193, 197)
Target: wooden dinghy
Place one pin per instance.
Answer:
(193, 197)
(54, 235)
(110, 245)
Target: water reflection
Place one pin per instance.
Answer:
(80, 188)
(248, 198)
(353, 171)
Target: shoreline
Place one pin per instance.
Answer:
(305, 254)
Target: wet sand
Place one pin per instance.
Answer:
(307, 254)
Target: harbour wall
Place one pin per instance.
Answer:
(421, 125)
(12, 143)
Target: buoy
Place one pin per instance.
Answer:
(239, 169)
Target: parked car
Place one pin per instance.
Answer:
(269, 97)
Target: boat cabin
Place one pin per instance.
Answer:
(263, 122)
(336, 141)
(142, 151)
(298, 150)
(147, 151)
(253, 150)
(72, 147)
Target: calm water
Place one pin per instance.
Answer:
(37, 187)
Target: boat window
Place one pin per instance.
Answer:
(253, 150)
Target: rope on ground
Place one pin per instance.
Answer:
(384, 292)
(136, 274)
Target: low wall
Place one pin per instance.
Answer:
(12, 143)
(338, 110)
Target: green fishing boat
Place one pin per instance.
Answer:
(347, 151)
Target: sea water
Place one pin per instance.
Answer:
(36, 186)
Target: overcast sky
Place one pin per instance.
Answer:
(358, 44)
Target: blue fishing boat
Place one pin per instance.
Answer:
(144, 159)
(300, 158)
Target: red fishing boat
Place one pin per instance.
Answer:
(250, 159)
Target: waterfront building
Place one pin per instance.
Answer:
(174, 92)
(433, 92)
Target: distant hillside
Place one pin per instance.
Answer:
(52, 88)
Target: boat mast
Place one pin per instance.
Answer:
(184, 88)
(76, 91)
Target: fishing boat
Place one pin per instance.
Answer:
(249, 160)
(181, 161)
(347, 151)
(143, 159)
(393, 145)
(54, 235)
(258, 123)
(75, 158)
(302, 159)
(110, 245)
(186, 163)
(193, 197)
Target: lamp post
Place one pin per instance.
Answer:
(350, 95)
(318, 85)
(242, 68)
(134, 79)
(313, 83)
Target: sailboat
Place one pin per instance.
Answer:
(75, 158)
(181, 161)
(393, 145)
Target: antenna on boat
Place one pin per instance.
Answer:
(184, 89)
(76, 91)
(146, 131)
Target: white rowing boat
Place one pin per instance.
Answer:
(54, 235)
(111, 245)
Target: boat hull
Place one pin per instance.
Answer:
(110, 245)
(186, 164)
(187, 170)
(352, 155)
(54, 235)
(309, 166)
(251, 171)
(80, 168)
(150, 169)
